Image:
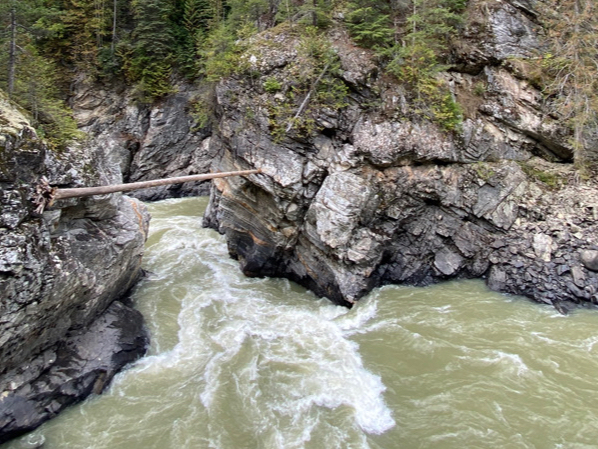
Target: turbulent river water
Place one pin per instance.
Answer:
(262, 363)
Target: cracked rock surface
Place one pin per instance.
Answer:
(375, 195)
(61, 271)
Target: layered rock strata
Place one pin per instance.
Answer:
(141, 142)
(59, 272)
(378, 196)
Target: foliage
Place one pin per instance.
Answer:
(479, 89)
(316, 86)
(418, 61)
(445, 110)
(551, 180)
(200, 110)
(36, 91)
(254, 12)
(370, 23)
(412, 38)
(272, 85)
(316, 13)
(151, 57)
(31, 79)
(221, 54)
(148, 42)
(484, 170)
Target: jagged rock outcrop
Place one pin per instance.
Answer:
(377, 196)
(59, 272)
(81, 364)
(143, 142)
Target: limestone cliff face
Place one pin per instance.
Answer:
(143, 142)
(59, 273)
(373, 197)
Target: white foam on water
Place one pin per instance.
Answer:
(443, 309)
(507, 363)
(305, 360)
(241, 362)
(590, 342)
(286, 363)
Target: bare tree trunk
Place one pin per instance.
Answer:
(113, 43)
(306, 99)
(58, 194)
(12, 51)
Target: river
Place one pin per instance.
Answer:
(262, 363)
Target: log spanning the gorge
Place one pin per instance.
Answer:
(102, 190)
(46, 195)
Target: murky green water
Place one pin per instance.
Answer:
(261, 363)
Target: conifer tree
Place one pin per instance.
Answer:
(198, 15)
(370, 23)
(153, 45)
(30, 77)
(250, 12)
(422, 54)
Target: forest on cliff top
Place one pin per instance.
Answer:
(149, 44)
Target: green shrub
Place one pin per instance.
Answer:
(272, 85)
(551, 180)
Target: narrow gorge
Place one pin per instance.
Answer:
(361, 184)
(63, 332)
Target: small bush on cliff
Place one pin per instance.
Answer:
(550, 179)
(200, 111)
(315, 86)
(221, 54)
(272, 85)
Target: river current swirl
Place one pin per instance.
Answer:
(261, 363)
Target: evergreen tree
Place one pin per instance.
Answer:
(198, 16)
(220, 53)
(370, 23)
(423, 53)
(256, 13)
(76, 31)
(430, 26)
(153, 43)
(32, 79)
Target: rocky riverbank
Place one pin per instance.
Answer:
(62, 336)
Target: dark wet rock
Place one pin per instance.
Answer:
(141, 142)
(81, 364)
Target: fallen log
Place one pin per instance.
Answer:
(46, 195)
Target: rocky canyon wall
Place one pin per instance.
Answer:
(376, 195)
(62, 334)
(144, 142)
